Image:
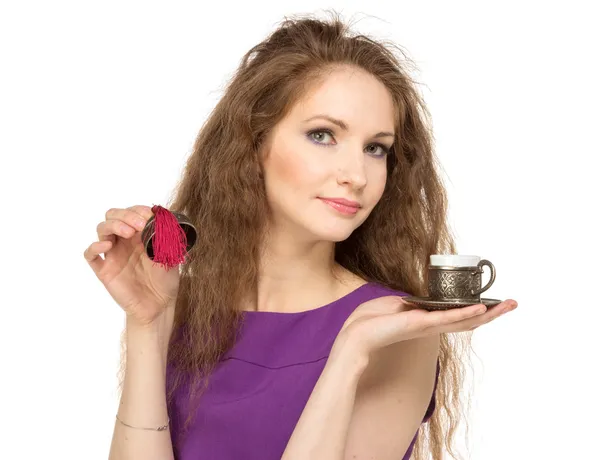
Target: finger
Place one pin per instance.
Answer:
(109, 228)
(441, 318)
(136, 216)
(419, 322)
(144, 211)
(92, 254)
(491, 314)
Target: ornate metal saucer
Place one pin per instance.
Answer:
(429, 304)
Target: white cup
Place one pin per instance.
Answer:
(454, 260)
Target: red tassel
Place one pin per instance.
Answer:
(169, 241)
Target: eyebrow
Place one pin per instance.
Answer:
(344, 125)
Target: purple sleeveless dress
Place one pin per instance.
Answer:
(259, 388)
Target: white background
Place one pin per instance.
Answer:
(100, 103)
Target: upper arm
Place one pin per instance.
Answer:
(392, 398)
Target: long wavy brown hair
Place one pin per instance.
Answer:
(222, 191)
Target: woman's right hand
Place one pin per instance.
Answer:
(143, 289)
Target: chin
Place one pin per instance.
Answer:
(333, 234)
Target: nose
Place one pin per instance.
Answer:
(351, 170)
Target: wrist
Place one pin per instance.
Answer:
(161, 325)
(148, 338)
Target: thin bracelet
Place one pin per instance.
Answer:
(160, 428)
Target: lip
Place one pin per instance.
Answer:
(339, 204)
(345, 202)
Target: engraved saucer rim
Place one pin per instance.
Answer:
(418, 300)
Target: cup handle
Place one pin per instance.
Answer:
(492, 276)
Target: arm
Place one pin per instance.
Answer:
(364, 408)
(143, 401)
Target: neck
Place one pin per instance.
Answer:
(297, 277)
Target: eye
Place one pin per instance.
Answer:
(319, 131)
(383, 152)
(383, 148)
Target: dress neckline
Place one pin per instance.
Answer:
(347, 296)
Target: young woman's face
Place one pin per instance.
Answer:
(308, 162)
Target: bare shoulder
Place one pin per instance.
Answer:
(349, 281)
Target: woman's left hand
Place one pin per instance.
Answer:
(383, 321)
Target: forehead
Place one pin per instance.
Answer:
(352, 95)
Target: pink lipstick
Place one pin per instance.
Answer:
(342, 205)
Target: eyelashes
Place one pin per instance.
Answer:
(309, 135)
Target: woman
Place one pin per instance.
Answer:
(314, 189)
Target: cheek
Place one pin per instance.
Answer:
(377, 182)
(289, 169)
